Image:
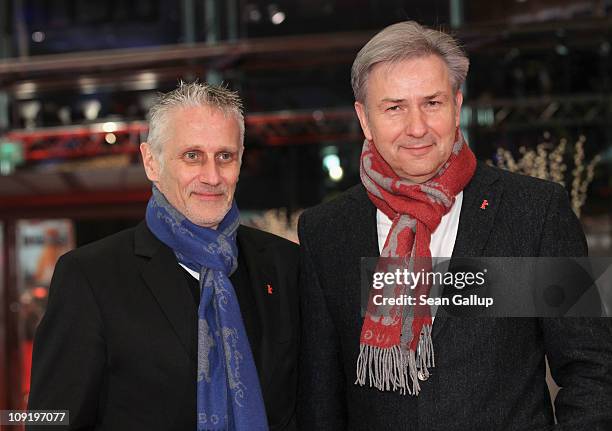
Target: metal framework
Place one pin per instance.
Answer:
(82, 141)
(278, 128)
(312, 127)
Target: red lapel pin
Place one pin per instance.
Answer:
(269, 286)
(484, 204)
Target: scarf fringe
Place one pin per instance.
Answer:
(395, 369)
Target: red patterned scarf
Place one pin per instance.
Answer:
(396, 343)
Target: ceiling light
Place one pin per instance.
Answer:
(38, 36)
(277, 16)
(110, 138)
(336, 173)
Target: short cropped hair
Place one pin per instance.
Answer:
(406, 40)
(186, 95)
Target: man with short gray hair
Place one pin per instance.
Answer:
(424, 195)
(188, 321)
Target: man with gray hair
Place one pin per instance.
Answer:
(424, 195)
(189, 320)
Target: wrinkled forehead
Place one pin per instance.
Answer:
(192, 126)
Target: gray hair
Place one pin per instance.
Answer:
(193, 94)
(405, 40)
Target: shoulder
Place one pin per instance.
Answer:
(263, 251)
(516, 181)
(523, 202)
(534, 214)
(104, 252)
(103, 267)
(528, 184)
(523, 190)
(264, 240)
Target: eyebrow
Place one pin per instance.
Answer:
(401, 100)
(435, 95)
(387, 99)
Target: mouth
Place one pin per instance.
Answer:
(417, 150)
(208, 196)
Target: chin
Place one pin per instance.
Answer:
(211, 218)
(420, 175)
(207, 222)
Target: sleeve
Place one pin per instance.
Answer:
(321, 399)
(579, 350)
(69, 350)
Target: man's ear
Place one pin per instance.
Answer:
(150, 162)
(360, 108)
(458, 103)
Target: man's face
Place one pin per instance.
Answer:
(411, 115)
(200, 163)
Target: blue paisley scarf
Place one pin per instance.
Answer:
(229, 396)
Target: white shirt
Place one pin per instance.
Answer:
(191, 271)
(442, 239)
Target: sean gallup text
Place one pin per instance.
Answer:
(471, 300)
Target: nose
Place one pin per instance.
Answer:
(415, 123)
(209, 173)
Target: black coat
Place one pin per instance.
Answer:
(489, 373)
(117, 346)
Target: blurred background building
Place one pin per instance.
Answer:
(77, 78)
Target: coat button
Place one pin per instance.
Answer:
(422, 376)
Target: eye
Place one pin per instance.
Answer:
(433, 103)
(225, 156)
(393, 108)
(191, 156)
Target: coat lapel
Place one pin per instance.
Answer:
(363, 234)
(481, 200)
(271, 316)
(361, 241)
(163, 277)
